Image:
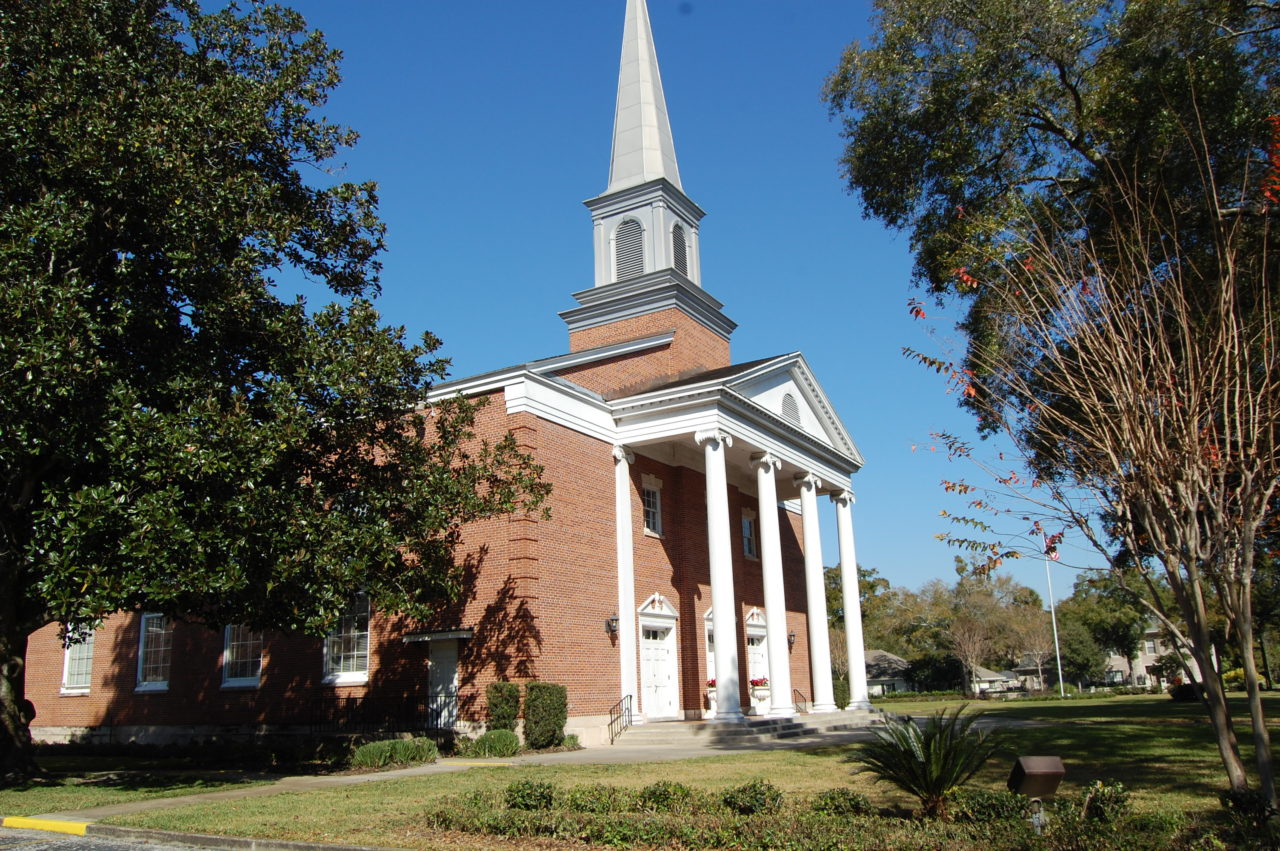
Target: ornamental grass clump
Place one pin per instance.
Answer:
(930, 761)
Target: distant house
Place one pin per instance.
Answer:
(1143, 670)
(886, 673)
(984, 679)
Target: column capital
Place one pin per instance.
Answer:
(709, 434)
(766, 460)
(809, 479)
(622, 453)
(845, 496)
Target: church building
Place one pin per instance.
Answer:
(679, 576)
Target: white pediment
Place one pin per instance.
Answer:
(657, 606)
(787, 389)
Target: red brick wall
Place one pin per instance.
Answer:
(695, 349)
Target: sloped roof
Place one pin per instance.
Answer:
(883, 665)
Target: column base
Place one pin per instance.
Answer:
(860, 704)
(824, 707)
(729, 718)
(780, 712)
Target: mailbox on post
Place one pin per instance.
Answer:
(1036, 776)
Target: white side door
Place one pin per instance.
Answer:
(658, 688)
(443, 682)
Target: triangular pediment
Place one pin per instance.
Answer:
(787, 388)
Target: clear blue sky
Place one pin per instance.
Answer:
(487, 123)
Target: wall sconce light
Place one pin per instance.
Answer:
(611, 625)
(791, 639)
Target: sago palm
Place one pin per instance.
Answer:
(928, 762)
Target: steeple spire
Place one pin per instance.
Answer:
(643, 148)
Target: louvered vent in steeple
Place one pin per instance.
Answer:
(629, 250)
(679, 253)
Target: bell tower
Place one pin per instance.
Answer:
(648, 276)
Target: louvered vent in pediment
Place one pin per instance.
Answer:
(790, 409)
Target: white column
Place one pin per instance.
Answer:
(622, 460)
(775, 604)
(816, 593)
(720, 552)
(858, 696)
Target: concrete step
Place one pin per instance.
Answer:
(753, 730)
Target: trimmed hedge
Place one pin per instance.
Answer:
(504, 705)
(546, 711)
(495, 743)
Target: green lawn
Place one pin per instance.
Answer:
(84, 787)
(1162, 750)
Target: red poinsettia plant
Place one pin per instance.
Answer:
(760, 682)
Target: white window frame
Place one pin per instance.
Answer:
(750, 535)
(144, 650)
(237, 635)
(76, 656)
(651, 504)
(347, 630)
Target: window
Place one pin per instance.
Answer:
(346, 648)
(651, 497)
(1151, 646)
(241, 656)
(155, 651)
(749, 547)
(629, 250)
(77, 664)
(679, 253)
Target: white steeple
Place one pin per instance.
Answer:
(643, 149)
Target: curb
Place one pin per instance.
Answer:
(232, 843)
(75, 828)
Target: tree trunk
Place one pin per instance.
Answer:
(1258, 723)
(1215, 701)
(1266, 661)
(17, 757)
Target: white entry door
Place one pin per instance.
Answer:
(443, 682)
(659, 691)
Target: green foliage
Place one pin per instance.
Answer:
(1106, 802)
(1185, 692)
(530, 795)
(931, 761)
(499, 743)
(1248, 809)
(665, 796)
(571, 743)
(174, 435)
(546, 710)
(840, 687)
(936, 671)
(983, 806)
(755, 796)
(842, 802)
(596, 798)
(504, 705)
(383, 753)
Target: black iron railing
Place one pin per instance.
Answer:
(420, 713)
(619, 718)
(801, 702)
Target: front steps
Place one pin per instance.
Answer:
(753, 731)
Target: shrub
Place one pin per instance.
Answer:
(546, 709)
(1248, 809)
(841, 689)
(596, 798)
(571, 743)
(495, 743)
(504, 705)
(664, 796)
(842, 802)
(981, 806)
(928, 762)
(530, 795)
(1185, 691)
(755, 796)
(394, 752)
(1105, 802)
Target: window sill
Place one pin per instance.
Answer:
(74, 691)
(144, 687)
(649, 533)
(353, 679)
(232, 685)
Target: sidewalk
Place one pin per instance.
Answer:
(84, 822)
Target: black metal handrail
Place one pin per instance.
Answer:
(619, 718)
(801, 702)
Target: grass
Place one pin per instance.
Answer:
(83, 789)
(1163, 751)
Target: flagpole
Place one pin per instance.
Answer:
(1053, 616)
